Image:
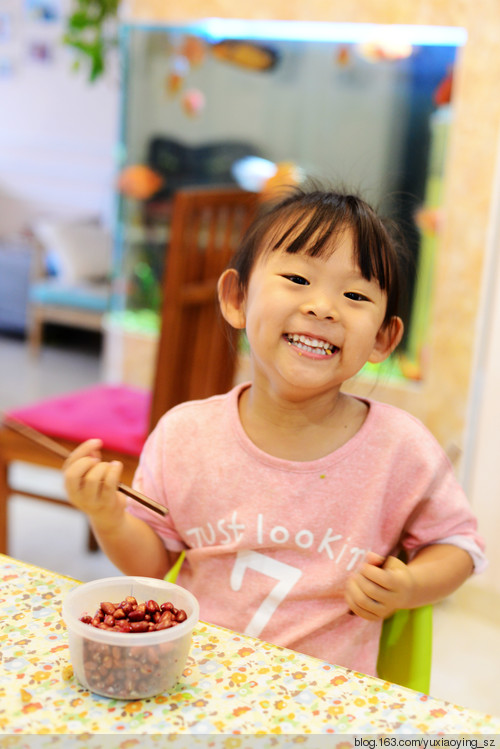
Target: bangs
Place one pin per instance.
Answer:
(316, 233)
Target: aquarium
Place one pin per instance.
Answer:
(362, 106)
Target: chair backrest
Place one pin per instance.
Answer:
(173, 572)
(405, 651)
(197, 352)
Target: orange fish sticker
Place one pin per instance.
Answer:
(139, 181)
(245, 54)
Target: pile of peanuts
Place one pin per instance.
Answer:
(132, 671)
(130, 616)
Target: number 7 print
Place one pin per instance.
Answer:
(285, 574)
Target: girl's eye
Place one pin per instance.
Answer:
(297, 279)
(356, 297)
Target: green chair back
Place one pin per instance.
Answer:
(171, 575)
(405, 651)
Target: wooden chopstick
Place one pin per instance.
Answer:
(54, 447)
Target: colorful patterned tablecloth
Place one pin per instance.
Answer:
(232, 684)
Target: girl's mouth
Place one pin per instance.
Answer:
(310, 345)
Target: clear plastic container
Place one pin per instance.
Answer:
(121, 664)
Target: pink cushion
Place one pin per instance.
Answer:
(118, 415)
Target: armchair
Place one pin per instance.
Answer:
(77, 287)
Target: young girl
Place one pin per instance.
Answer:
(291, 499)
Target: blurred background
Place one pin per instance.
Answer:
(105, 115)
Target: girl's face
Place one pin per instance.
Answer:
(313, 322)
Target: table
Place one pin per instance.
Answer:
(232, 684)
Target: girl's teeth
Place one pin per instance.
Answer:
(310, 344)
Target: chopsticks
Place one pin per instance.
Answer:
(54, 447)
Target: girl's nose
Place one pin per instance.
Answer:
(321, 307)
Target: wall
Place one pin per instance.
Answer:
(57, 132)
(482, 474)
(442, 399)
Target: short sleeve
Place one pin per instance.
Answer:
(150, 480)
(444, 515)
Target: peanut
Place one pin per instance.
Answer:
(124, 616)
(130, 671)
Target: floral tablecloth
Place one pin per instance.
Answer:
(232, 684)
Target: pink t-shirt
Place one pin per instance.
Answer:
(270, 543)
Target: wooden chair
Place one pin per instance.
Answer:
(196, 357)
(207, 225)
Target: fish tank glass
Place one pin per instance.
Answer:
(361, 106)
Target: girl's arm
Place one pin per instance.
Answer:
(134, 547)
(383, 586)
(129, 542)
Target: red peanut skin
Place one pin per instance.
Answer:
(130, 616)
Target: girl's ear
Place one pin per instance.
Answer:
(388, 337)
(231, 299)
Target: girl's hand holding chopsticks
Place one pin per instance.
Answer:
(92, 485)
(47, 443)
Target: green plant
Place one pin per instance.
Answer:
(92, 30)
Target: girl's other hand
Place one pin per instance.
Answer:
(92, 484)
(379, 588)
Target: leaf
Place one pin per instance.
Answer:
(80, 20)
(86, 47)
(85, 28)
(97, 68)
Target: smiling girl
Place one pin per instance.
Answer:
(291, 499)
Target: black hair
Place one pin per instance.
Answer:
(306, 220)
